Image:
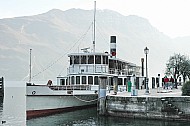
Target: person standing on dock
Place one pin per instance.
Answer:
(129, 86)
(166, 80)
(172, 82)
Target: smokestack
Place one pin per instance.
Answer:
(113, 46)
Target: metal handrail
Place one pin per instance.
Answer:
(91, 68)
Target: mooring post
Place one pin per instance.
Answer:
(102, 95)
(115, 84)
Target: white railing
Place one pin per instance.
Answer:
(79, 69)
(71, 87)
(99, 68)
(122, 72)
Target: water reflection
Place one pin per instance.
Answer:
(89, 117)
(113, 121)
(80, 117)
(1, 107)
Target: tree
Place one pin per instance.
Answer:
(186, 89)
(178, 65)
(185, 69)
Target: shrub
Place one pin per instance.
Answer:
(186, 89)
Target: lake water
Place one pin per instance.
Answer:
(13, 112)
(13, 106)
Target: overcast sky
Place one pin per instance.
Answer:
(168, 16)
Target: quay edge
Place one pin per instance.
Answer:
(163, 108)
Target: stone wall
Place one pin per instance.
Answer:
(167, 108)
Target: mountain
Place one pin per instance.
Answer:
(54, 34)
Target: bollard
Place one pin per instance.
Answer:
(102, 95)
(115, 84)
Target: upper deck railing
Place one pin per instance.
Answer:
(80, 69)
(86, 69)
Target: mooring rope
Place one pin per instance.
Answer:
(85, 100)
(59, 58)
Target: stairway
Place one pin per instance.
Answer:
(170, 109)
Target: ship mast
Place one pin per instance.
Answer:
(94, 36)
(30, 74)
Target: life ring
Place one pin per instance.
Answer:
(34, 92)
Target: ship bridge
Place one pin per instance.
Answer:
(88, 63)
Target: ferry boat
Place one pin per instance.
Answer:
(79, 89)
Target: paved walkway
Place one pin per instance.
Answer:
(153, 93)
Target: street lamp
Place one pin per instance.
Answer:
(146, 51)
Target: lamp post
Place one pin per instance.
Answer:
(146, 51)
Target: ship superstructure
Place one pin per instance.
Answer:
(87, 67)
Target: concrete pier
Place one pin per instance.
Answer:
(166, 105)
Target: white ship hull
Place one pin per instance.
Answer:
(42, 101)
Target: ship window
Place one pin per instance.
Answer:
(90, 59)
(72, 80)
(77, 79)
(96, 80)
(62, 82)
(69, 81)
(83, 79)
(111, 63)
(71, 60)
(111, 81)
(76, 59)
(90, 80)
(98, 60)
(125, 81)
(120, 81)
(105, 60)
(66, 82)
(83, 59)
